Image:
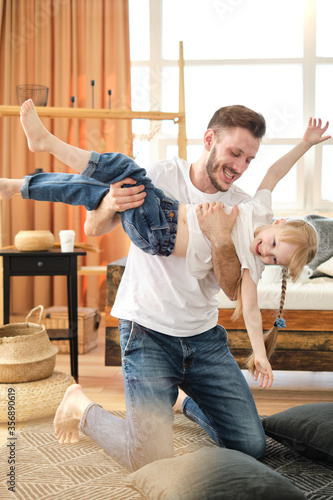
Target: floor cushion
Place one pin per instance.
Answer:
(212, 473)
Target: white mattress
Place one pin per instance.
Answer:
(315, 294)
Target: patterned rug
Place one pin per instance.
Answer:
(46, 470)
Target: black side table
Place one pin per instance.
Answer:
(49, 263)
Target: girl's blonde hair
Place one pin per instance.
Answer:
(302, 234)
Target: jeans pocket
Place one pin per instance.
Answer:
(223, 332)
(136, 237)
(127, 332)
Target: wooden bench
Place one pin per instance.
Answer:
(306, 344)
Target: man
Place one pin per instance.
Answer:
(168, 332)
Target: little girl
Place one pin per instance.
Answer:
(162, 226)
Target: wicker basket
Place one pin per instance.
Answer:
(34, 399)
(38, 93)
(34, 241)
(88, 320)
(26, 352)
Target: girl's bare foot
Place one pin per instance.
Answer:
(69, 414)
(38, 137)
(9, 187)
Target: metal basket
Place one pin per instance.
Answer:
(38, 93)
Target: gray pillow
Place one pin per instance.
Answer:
(324, 228)
(212, 473)
(307, 429)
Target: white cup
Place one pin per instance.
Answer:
(305, 275)
(272, 274)
(67, 237)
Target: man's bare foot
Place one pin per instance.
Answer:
(177, 407)
(69, 413)
(9, 187)
(38, 136)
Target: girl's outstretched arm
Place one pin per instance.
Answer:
(253, 322)
(312, 136)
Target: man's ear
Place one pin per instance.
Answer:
(209, 137)
(279, 221)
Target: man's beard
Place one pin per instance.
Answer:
(212, 167)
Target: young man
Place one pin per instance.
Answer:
(168, 332)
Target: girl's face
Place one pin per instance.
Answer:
(269, 248)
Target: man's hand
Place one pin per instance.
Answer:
(120, 199)
(215, 224)
(314, 132)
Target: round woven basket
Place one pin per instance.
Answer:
(26, 352)
(36, 241)
(34, 399)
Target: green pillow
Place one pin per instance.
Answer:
(211, 473)
(307, 429)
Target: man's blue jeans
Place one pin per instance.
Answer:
(154, 365)
(151, 227)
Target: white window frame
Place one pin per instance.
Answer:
(309, 167)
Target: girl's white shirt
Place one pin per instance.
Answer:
(252, 214)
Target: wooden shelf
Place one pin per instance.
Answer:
(115, 114)
(86, 113)
(91, 271)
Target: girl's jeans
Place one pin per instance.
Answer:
(154, 366)
(152, 226)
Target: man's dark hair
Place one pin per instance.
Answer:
(238, 116)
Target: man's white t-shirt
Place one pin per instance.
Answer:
(158, 292)
(253, 214)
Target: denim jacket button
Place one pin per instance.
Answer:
(172, 214)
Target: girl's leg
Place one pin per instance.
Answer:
(71, 189)
(152, 227)
(86, 189)
(9, 187)
(41, 140)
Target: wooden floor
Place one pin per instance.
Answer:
(104, 384)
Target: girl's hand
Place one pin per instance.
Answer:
(314, 133)
(263, 372)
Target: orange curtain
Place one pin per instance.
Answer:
(63, 44)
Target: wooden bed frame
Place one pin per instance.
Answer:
(306, 344)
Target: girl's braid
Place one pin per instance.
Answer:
(283, 291)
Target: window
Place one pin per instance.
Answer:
(275, 57)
